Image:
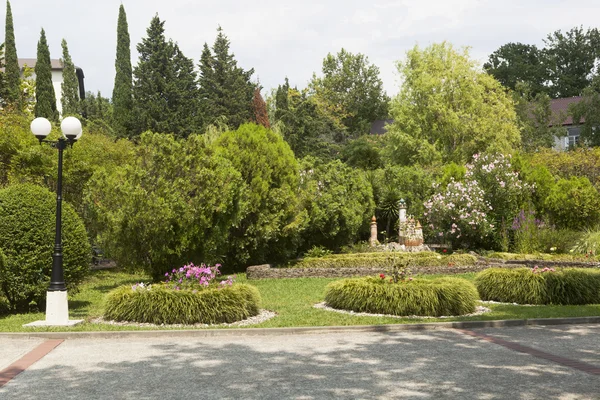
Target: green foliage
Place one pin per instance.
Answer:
(225, 88)
(164, 90)
(317, 251)
(527, 286)
(586, 113)
(382, 260)
(351, 91)
(536, 176)
(364, 152)
(562, 240)
(539, 126)
(581, 162)
(160, 305)
(444, 296)
(45, 98)
(447, 108)
(70, 85)
(174, 203)
(573, 204)
(11, 62)
(304, 125)
(515, 63)
(27, 226)
(338, 201)
(588, 243)
(269, 218)
(96, 108)
(122, 96)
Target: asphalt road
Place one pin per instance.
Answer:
(434, 364)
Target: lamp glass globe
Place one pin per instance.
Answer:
(40, 127)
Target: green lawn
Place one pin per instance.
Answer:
(291, 299)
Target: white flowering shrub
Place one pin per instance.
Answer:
(478, 211)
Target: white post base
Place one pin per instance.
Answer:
(57, 311)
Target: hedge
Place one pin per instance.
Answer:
(443, 296)
(162, 305)
(27, 229)
(570, 286)
(383, 260)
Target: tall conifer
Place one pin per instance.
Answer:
(45, 97)
(69, 87)
(122, 96)
(12, 71)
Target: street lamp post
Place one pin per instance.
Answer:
(57, 307)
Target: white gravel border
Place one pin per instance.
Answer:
(263, 315)
(323, 306)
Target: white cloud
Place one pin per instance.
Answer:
(282, 38)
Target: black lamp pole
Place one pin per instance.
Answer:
(57, 280)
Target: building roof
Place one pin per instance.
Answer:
(55, 63)
(379, 127)
(560, 108)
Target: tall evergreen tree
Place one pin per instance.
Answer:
(122, 96)
(164, 85)
(12, 71)
(225, 88)
(45, 98)
(69, 87)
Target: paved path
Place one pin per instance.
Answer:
(423, 365)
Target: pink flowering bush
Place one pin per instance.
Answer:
(476, 211)
(195, 277)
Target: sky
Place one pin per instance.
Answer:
(284, 38)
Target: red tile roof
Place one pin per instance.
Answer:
(560, 107)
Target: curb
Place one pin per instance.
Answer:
(166, 333)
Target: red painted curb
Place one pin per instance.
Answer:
(27, 360)
(578, 365)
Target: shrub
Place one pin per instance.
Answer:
(444, 296)
(27, 227)
(338, 201)
(588, 243)
(574, 204)
(159, 304)
(539, 286)
(384, 260)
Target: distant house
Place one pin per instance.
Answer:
(379, 127)
(572, 131)
(57, 69)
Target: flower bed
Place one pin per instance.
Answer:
(190, 295)
(384, 260)
(570, 286)
(443, 296)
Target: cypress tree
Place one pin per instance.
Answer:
(122, 96)
(12, 71)
(164, 90)
(69, 98)
(45, 98)
(259, 106)
(226, 89)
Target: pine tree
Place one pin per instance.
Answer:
(225, 88)
(164, 90)
(45, 98)
(12, 71)
(69, 87)
(260, 109)
(122, 96)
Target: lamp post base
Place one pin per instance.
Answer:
(57, 311)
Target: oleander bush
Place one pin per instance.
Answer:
(159, 304)
(384, 260)
(443, 296)
(27, 229)
(569, 286)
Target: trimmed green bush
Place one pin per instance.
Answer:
(443, 296)
(161, 305)
(572, 286)
(383, 260)
(542, 256)
(27, 229)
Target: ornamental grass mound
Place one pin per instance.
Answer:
(190, 295)
(569, 286)
(433, 298)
